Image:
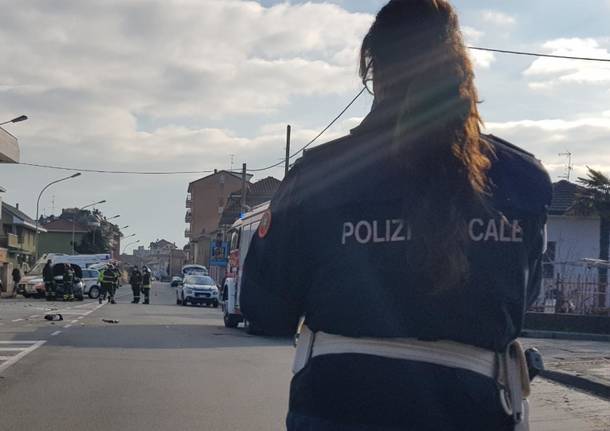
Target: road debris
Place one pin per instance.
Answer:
(110, 321)
(55, 316)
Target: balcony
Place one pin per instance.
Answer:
(188, 217)
(187, 232)
(189, 200)
(9, 147)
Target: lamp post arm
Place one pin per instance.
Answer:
(38, 207)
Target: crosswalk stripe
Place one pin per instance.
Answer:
(14, 359)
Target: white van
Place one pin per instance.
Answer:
(240, 237)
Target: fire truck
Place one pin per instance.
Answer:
(240, 236)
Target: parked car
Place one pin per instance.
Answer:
(176, 281)
(198, 289)
(91, 285)
(58, 275)
(192, 269)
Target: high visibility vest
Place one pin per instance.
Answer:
(108, 277)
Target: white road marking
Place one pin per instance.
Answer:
(11, 349)
(67, 326)
(81, 317)
(16, 342)
(33, 345)
(17, 320)
(74, 321)
(55, 333)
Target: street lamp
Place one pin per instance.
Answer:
(15, 120)
(74, 218)
(113, 217)
(125, 227)
(131, 243)
(40, 195)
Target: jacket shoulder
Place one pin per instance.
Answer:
(327, 150)
(502, 144)
(518, 177)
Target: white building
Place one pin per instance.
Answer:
(570, 240)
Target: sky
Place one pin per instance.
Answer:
(192, 85)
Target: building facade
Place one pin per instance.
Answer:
(205, 202)
(162, 257)
(59, 236)
(17, 243)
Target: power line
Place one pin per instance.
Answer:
(106, 171)
(103, 171)
(536, 54)
(317, 136)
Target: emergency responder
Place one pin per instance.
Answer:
(146, 284)
(136, 284)
(117, 284)
(49, 280)
(16, 275)
(411, 247)
(107, 280)
(68, 282)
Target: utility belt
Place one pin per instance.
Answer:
(509, 369)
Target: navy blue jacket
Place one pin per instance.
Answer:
(340, 252)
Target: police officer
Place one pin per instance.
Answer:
(411, 247)
(49, 280)
(68, 282)
(107, 280)
(136, 284)
(146, 284)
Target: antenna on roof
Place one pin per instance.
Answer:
(232, 160)
(570, 167)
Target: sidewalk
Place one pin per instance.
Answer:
(558, 408)
(582, 365)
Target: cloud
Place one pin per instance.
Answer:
(93, 72)
(472, 36)
(584, 136)
(498, 18)
(184, 58)
(548, 72)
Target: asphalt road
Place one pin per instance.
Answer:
(168, 367)
(162, 367)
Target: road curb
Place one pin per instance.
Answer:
(558, 335)
(591, 385)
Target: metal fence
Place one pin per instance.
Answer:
(578, 295)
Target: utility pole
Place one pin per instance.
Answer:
(288, 128)
(243, 188)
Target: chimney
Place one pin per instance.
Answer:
(17, 206)
(215, 171)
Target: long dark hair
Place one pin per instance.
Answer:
(416, 56)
